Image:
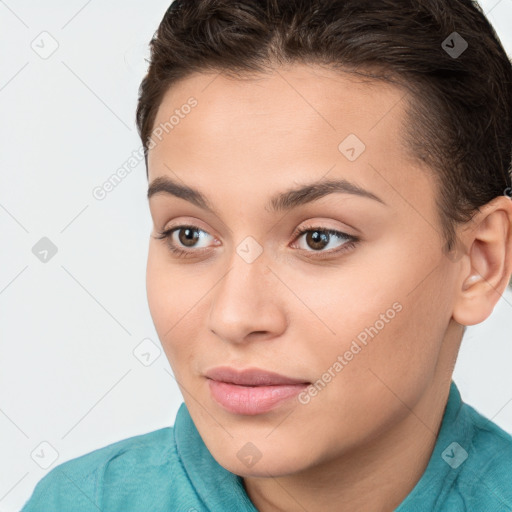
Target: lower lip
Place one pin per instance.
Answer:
(252, 400)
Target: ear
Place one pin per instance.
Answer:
(486, 266)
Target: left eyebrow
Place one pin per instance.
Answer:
(282, 201)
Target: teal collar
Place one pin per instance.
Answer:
(219, 489)
(447, 459)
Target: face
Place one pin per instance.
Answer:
(358, 305)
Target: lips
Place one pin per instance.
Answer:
(251, 377)
(251, 391)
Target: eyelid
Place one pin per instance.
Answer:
(320, 226)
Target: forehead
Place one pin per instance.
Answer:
(299, 122)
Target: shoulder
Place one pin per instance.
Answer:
(85, 482)
(486, 473)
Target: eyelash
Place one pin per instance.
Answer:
(351, 240)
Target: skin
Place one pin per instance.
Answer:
(365, 439)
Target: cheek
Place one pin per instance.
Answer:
(166, 298)
(176, 304)
(390, 319)
(387, 361)
(402, 358)
(157, 288)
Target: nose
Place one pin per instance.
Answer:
(246, 304)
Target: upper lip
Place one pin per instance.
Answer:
(250, 377)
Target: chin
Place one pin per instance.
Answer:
(261, 469)
(270, 460)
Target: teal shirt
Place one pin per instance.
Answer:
(171, 470)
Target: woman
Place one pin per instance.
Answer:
(329, 184)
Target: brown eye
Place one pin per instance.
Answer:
(185, 245)
(318, 239)
(190, 236)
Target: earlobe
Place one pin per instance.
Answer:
(489, 260)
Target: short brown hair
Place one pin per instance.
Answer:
(459, 119)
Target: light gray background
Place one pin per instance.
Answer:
(68, 374)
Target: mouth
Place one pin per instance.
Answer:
(251, 391)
